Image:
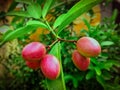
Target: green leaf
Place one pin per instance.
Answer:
(90, 74)
(58, 20)
(78, 9)
(56, 49)
(18, 13)
(46, 7)
(24, 1)
(40, 1)
(109, 64)
(101, 80)
(116, 63)
(116, 80)
(107, 75)
(31, 25)
(34, 10)
(73, 79)
(6, 33)
(114, 15)
(37, 23)
(59, 83)
(98, 71)
(87, 24)
(94, 60)
(17, 33)
(107, 43)
(12, 6)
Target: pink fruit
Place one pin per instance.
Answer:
(50, 66)
(81, 62)
(88, 47)
(33, 51)
(33, 65)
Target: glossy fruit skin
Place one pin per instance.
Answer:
(33, 65)
(50, 66)
(33, 51)
(88, 47)
(81, 62)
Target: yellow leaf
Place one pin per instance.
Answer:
(36, 35)
(78, 27)
(93, 20)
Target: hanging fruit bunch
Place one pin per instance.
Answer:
(36, 57)
(86, 47)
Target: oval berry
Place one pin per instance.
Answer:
(33, 51)
(81, 62)
(88, 47)
(50, 66)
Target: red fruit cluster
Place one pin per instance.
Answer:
(86, 47)
(35, 56)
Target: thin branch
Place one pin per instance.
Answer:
(61, 39)
(49, 46)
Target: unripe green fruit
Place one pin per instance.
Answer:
(33, 65)
(50, 66)
(33, 51)
(88, 47)
(81, 62)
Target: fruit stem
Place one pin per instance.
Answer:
(61, 39)
(51, 29)
(49, 46)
